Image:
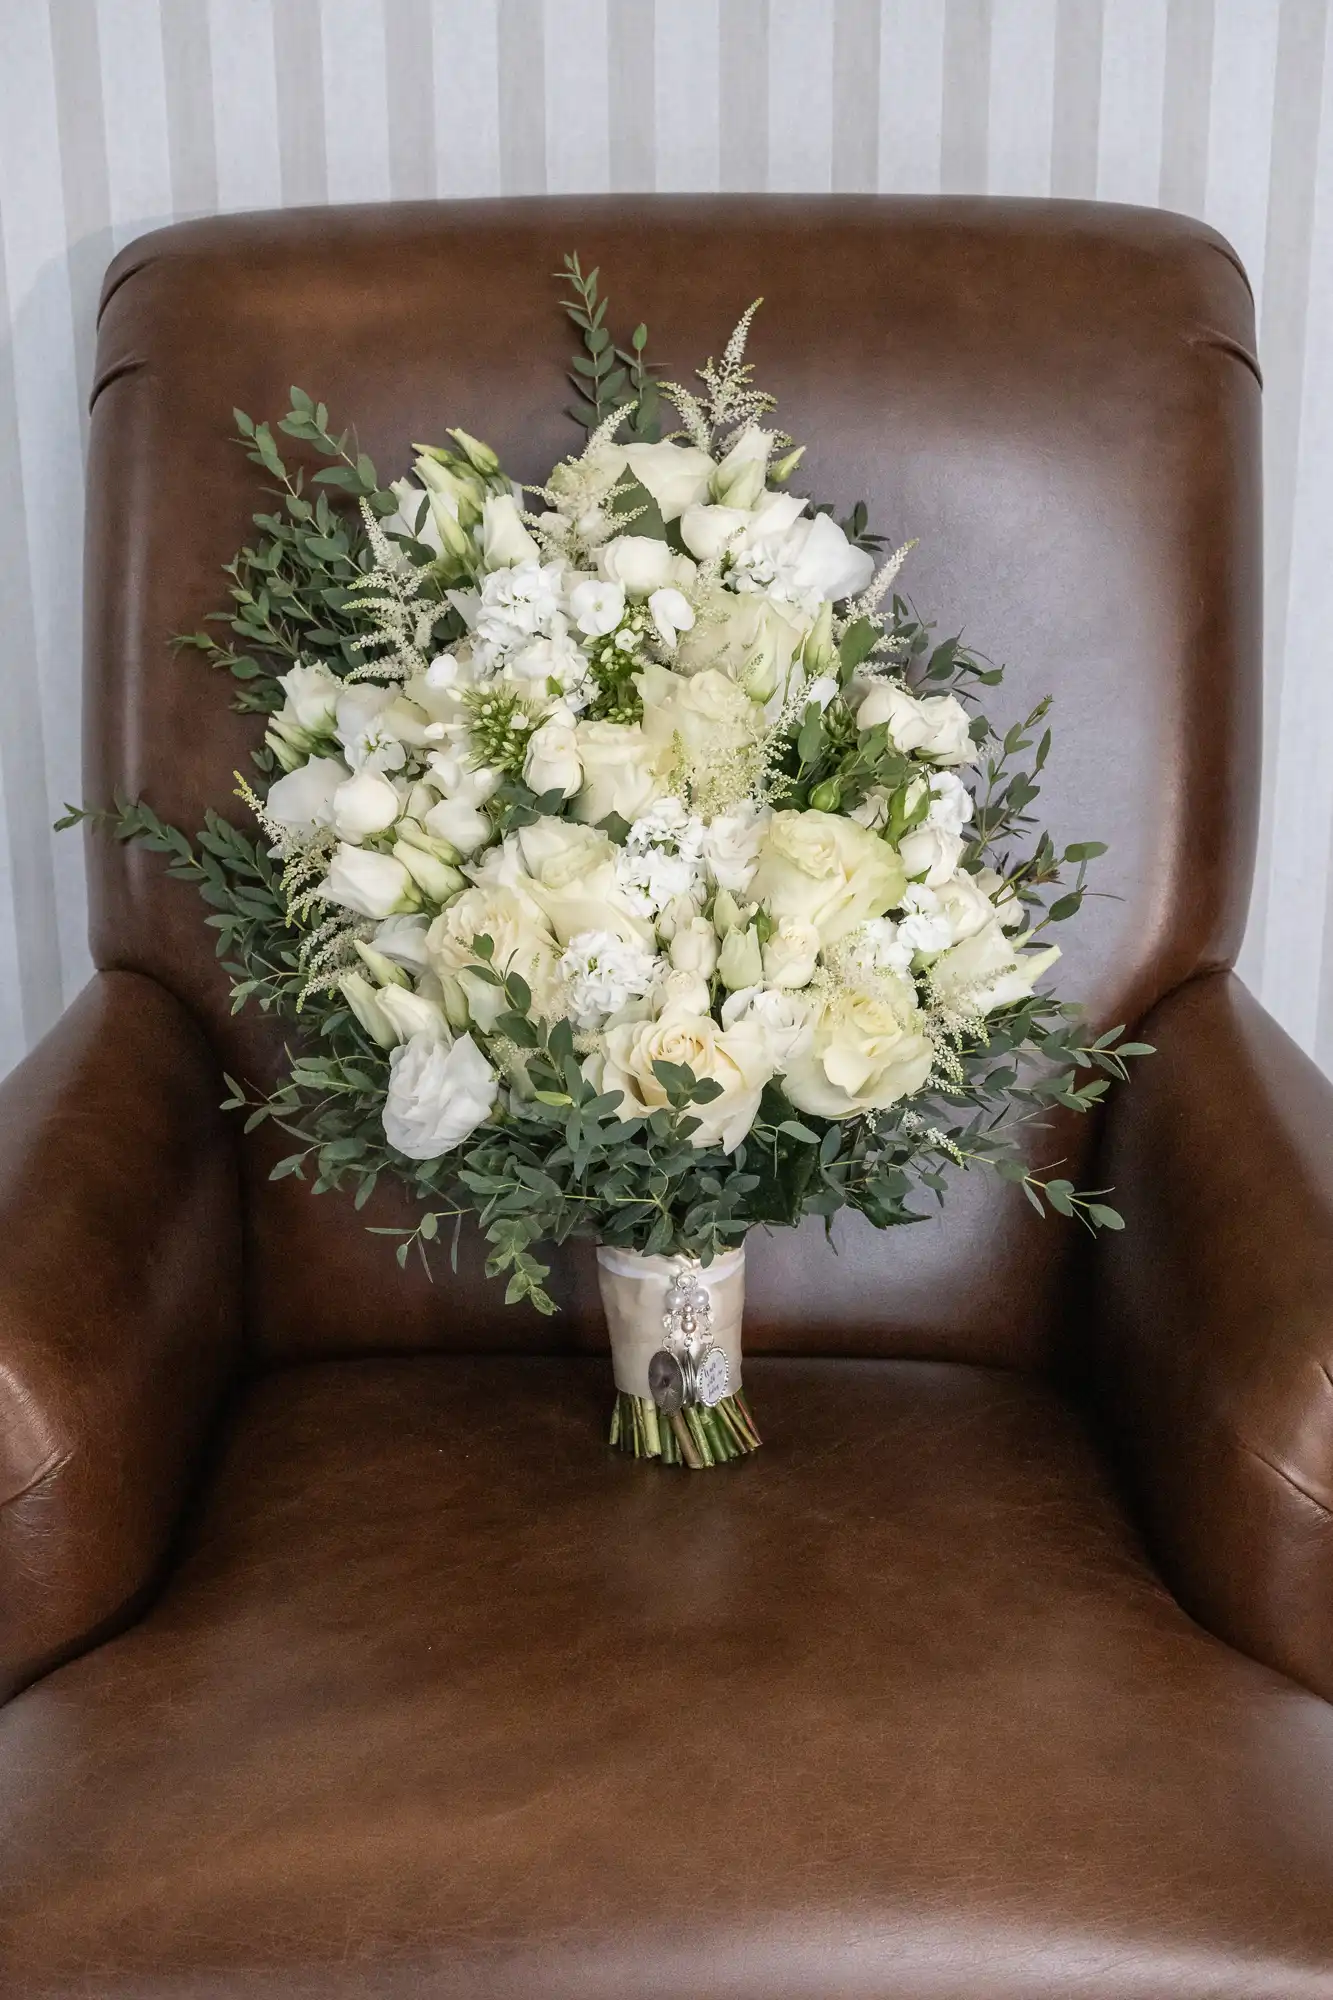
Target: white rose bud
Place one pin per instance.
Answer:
(740, 962)
(791, 954)
(370, 884)
(694, 948)
(931, 854)
(552, 761)
(682, 992)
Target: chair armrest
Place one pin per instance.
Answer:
(120, 1312)
(1215, 1313)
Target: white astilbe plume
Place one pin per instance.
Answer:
(730, 402)
(304, 856)
(389, 597)
(329, 951)
(868, 603)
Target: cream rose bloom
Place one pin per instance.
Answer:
(934, 725)
(572, 878)
(524, 944)
(708, 714)
(620, 771)
(744, 637)
(988, 970)
(740, 1059)
(866, 1051)
(791, 954)
(826, 871)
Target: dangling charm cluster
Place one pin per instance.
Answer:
(690, 1368)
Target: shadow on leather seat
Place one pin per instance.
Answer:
(898, 1708)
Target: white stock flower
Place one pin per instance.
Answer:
(303, 799)
(866, 1051)
(620, 771)
(671, 613)
(364, 804)
(807, 563)
(519, 603)
(934, 725)
(370, 884)
(596, 608)
(731, 845)
(738, 1059)
(551, 659)
(825, 871)
(552, 761)
(661, 860)
(603, 971)
(791, 954)
(439, 1092)
(987, 970)
(925, 925)
(505, 542)
(950, 802)
(783, 1017)
(676, 475)
(876, 947)
(641, 564)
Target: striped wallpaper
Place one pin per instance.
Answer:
(119, 115)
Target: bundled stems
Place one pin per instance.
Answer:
(696, 1436)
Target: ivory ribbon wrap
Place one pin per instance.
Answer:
(634, 1290)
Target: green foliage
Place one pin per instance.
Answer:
(605, 377)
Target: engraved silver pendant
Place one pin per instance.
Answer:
(711, 1377)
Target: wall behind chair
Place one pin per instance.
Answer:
(119, 115)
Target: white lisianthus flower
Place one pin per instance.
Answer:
(641, 564)
(596, 608)
(603, 971)
(552, 761)
(408, 1013)
(808, 563)
(458, 820)
(934, 725)
(931, 854)
(826, 871)
(739, 1059)
(820, 691)
(925, 924)
(364, 1000)
(403, 940)
(357, 714)
(866, 1051)
(369, 884)
(740, 961)
(573, 879)
(364, 804)
(791, 954)
(621, 771)
(428, 861)
(708, 532)
(731, 845)
(672, 614)
(873, 810)
(505, 542)
(523, 943)
(414, 517)
(439, 1092)
(1001, 893)
(677, 475)
(783, 1017)
(694, 948)
(740, 477)
(312, 697)
(988, 970)
(303, 799)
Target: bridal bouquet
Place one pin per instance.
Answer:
(631, 863)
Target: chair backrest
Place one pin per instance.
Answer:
(1059, 399)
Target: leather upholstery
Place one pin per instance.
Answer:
(445, 1700)
(439, 1696)
(1059, 399)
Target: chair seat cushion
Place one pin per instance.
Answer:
(444, 1698)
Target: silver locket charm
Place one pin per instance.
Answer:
(689, 1368)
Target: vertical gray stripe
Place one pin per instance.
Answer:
(1078, 89)
(27, 809)
(188, 67)
(83, 173)
(298, 61)
(964, 128)
(521, 55)
(856, 40)
(1186, 100)
(1297, 98)
(409, 67)
(631, 35)
(742, 96)
(1323, 1045)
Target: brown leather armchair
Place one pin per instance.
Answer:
(345, 1660)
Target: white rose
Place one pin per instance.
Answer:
(573, 879)
(312, 697)
(552, 761)
(303, 800)
(747, 638)
(731, 845)
(370, 884)
(620, 771)
(783, 1018)
(987, 970)
(505, 542)
(603, 972)
(596, 608)
(641, 564)
(676, 475)
(364, 804)
(694, 948)
(708, 532)
(966, 904)
(738, 1059)
(826, 871)
(931, 854)
(439, 1092)
(523, 945)
(866, 1051)
(709, 714)
(791, 954)
(935, 726)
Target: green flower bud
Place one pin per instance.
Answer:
(782, 470)
(379, 967)
(819, 655)
(360, 996)
(434, 878)
(479, 456)
(827, 796)
(740, 962)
